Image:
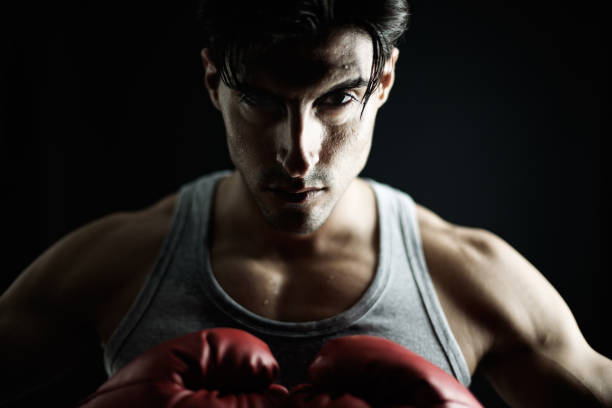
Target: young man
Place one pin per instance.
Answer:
(292, 246)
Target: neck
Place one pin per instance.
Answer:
(239, 222)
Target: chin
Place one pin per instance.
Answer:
(294, 222)
(295, 219)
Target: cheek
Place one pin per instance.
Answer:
(242, 138)
(349, 144)
(236, 129)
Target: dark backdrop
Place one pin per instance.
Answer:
(495, 121)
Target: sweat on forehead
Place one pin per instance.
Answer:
(341, 54)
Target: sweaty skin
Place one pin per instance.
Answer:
(298, 147)
(293, 137)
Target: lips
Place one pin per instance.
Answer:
(299, 191)
(296, 196)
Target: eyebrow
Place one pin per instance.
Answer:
(352, 83)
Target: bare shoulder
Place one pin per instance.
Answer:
(73, 295)
(85, 269)
(498, 299)
(510, 321)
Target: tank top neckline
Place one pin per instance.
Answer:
(262, 324)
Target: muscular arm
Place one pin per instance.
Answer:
(70, 298)
(47, 315)
(39, 363)
(514, 325)
(539, 356)
(551, 376)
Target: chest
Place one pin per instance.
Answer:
(303, 289)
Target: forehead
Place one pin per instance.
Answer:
(343, 53)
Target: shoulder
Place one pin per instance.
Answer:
(78, 272)
(69, 298)
(503, 301)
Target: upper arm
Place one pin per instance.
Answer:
(509, 320)
(540, 355)
(49, 316)
(46, 315)
(76, 280)
(537, 356)
(70, 297)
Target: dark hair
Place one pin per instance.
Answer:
(233, 30)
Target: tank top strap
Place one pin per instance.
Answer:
(416, 258)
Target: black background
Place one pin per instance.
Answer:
(495, 121)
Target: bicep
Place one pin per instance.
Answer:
(46, 325)
(560, 376)
(532, 349)
(36, 320)
(38, 347)
(539, 356)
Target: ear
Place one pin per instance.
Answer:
(211, 77)
(388, 77)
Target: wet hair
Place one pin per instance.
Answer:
(236, 30)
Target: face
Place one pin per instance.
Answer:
(295, 130)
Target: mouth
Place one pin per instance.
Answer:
(298, 196)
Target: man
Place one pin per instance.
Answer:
(292, 245)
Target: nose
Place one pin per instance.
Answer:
(301, 138)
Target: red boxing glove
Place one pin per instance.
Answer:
(366, 371)
(216, 368)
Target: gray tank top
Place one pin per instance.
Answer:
(181, 295)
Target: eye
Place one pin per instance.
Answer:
(338, 99)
